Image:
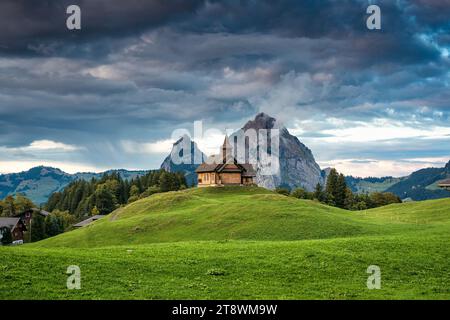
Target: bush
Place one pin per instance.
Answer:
(150, 191)
(382, 199)
(133, 199)
(301, 193)
(283, 191)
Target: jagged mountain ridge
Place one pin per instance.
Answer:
(297, 166)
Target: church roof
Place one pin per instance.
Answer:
(246, 169)
(217, 163)
(206, 167)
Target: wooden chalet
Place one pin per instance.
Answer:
(444, 184)
(20, 223)
(223, 170)
(15, 225)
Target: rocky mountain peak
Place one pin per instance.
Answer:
(261, 121)
(183, 138)
(297, 166)
(184, 157)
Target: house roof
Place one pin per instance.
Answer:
(34, 210)
(444, 183)
(41, 212)
(88, 221)
(249, 171)
(9, 222)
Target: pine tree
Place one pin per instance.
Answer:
(104, 200)
(340, 191)
(318, 193)
(164, 182)
(331, 187)
(37, 228)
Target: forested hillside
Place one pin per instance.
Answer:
(83, 198)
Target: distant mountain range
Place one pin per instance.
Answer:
(419, 185)
(298, 168)
(40, 182)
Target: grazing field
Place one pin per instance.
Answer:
(240, 243)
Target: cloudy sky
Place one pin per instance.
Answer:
(370, 102)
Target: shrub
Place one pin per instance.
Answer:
(133, 199)
(282, 191)
(150, 191)
(301, 193)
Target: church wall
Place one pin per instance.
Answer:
(230, 178)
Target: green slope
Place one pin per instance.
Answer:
(237, 214)
(240, 243)
(411, 268)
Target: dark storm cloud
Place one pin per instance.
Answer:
(139, 69)
(31, 27)
(41, 29)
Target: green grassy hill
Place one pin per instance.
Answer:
(240, 243)
(241, 214)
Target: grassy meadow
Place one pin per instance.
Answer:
(240, 243)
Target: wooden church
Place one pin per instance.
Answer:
(224, 170)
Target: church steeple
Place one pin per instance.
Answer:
(226, 149)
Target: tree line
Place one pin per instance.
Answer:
(83, 198)
(336, 193)
(11, 206)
